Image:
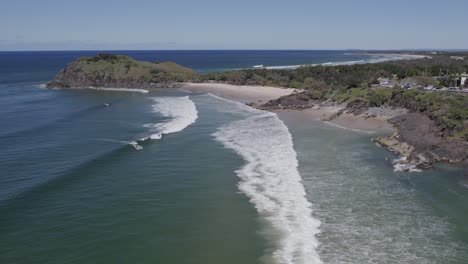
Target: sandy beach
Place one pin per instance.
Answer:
(244, 94)
(368, 122)
(374, 120)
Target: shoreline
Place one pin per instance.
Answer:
(130, 90)
(372, 121)
(244, 93)
(386, 57)
(402, 55)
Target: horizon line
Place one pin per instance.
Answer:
(349, 49)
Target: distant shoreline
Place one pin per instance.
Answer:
(404, 55)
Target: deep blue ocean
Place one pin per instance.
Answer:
(219, 182)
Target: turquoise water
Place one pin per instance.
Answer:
(224, 184)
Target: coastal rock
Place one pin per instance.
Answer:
(293, 101)
(418, 138)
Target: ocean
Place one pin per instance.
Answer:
(213, 181)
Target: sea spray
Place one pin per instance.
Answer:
(271, 181)
(403, 165)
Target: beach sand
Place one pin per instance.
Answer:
(358, 123)
(374, 120)
(244, 94)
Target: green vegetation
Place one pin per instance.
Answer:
(119, 67)
(351, 84)
(349, 76)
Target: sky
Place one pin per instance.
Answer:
(239, 24)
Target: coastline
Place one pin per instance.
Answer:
(372, 121)
(402, 55)
(130, 90)
(243, 94)
(386, 57)
(133, 90)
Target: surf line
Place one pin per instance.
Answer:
(181, 112)
(271, 180)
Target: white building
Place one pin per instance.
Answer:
(463, 79)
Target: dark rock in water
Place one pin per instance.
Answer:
(118, 71)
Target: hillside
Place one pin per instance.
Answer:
(119, 71)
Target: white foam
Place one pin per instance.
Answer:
(402, 165)
(135, 145)
(181, 112)
(271, 181)
(118, 89)
(382, 58)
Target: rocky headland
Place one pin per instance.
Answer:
(119, 71)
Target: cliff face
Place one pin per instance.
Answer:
(118, 71)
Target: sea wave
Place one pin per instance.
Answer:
(181, 112)
(131, 90)
(271, 181)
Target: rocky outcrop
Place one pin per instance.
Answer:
(420, 140)
(301, 100)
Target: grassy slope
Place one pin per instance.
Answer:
(120, 67)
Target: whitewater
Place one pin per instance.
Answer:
(271, 181)
(180, 111)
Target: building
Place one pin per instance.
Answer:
(386, 82)
(463, 79)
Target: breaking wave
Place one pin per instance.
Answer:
(181, 112)
(271, 181)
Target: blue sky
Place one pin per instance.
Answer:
(240, 24)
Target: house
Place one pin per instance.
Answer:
(463, 79)
(383, 81)
(409, 83)
(386, 82)
(430, 88)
